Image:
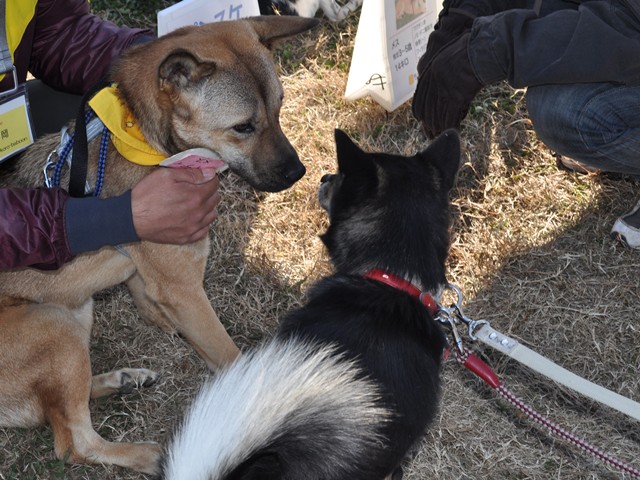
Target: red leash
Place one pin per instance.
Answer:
(473, 363)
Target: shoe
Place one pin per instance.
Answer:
(626, 228)
(571, 165)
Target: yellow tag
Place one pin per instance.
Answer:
(16, 132)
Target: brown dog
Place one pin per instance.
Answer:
(213, 86)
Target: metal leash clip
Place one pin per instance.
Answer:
(453, 314)
(46, 171)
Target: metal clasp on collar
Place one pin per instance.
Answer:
(453, 315)
(47, 170)
(15, 83)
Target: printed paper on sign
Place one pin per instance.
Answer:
(199, 12)
(16, 131)
(391, 38)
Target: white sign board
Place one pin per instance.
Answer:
(199, 12)
(391, 38)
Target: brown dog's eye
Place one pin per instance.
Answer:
(244, 128)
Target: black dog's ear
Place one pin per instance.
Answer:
(352, 160)
(262, 467)
(181, 68)
(444, 153)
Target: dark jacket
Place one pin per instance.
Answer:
(569, 42)
(32, 228)
(68, 48)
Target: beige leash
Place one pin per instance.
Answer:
(512, 348)
(481, 330)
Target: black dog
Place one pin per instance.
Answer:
(350, 382)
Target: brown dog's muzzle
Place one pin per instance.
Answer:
(295, 172)
(283, 173)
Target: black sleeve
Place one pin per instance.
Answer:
(598, 42)
(92, 223)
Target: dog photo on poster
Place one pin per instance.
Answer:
(390, 40)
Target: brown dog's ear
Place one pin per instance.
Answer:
(272, 28)
(181, 68)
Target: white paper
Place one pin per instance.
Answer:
(199, 12)
(391, 38)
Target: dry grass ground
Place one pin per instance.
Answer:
(530, 251)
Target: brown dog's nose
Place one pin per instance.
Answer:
(295, 173)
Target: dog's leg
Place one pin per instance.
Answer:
(122, 381)
(45, 376)
(347, 8)
(119, 381)
(76, 441)
(168, 291)
(329, 8)
(191, 316)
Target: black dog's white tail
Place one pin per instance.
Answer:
(301, 401)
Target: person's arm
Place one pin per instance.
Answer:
(167, 206)
(92, 223)
(591, 44)
(45, 228)
(72, 48)
(32, 229)
(563, 47)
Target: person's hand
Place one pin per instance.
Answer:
(450, 25)
(175, 205)
(446, 87)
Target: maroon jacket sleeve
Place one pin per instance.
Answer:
(72, 48)
(32, 230)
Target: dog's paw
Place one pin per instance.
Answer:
(149, 458)
(122, 381)
(134, 378)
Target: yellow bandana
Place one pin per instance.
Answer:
(125, 134)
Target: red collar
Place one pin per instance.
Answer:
(406, 286)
